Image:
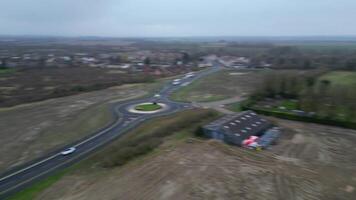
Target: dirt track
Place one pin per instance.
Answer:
(310, 162)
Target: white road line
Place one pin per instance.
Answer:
(57, 166)
(99, 134)
(29, 167)
(53, 156)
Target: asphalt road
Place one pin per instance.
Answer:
(25, 175)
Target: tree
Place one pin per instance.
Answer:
(42, 62)
(324, 85)
(3, 63)
(351, 64)
(311, 81)
(147, 61)
(185, 58)
(307, 64)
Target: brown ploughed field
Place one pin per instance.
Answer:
(311, 162)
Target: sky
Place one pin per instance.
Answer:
(178, 18)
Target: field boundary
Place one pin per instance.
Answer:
(289, 116)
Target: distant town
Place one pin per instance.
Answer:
(126, 56)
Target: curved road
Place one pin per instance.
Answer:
(25, 175)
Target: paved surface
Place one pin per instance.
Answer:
(23, 176)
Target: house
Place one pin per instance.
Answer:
(235, 129)
(234, 62)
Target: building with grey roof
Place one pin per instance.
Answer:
(234, 129)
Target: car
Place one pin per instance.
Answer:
(157, 95)
(189, 75)
(176, 83)
(68, 151)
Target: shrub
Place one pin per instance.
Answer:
(78, 88)
(140, 144)
(199, 132)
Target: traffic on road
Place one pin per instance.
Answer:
(21, 177)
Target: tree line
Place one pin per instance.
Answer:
(313, 94)
(291, 57)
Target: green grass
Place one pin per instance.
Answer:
(149, 136)
(7, 71)
(148, 107)
(37, 188)
(289, 104)
(236, 107)
(218, 86)
(340, 78)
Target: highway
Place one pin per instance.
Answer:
(25, 175)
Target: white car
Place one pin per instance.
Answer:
(68, 151)
(189, 75)
(157, 95)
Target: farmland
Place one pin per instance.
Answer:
(50, 124)
(26, 86)
(52, 95)
(309, 162)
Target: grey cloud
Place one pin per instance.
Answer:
(178, 17)
(53, 10)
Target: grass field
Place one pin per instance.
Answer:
(51, 124)
(26, 86)
(148, 107)
(154, 129)
(7, 71)
(340, 78)
(38, 187)
(221, 85)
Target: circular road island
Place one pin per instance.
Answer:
(148, 107)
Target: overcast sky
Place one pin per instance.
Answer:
(124, 18)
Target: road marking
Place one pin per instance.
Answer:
(100, 133)
(55, 167)
(55, 155)
(89, 139)
(61, 164)
(29, 167)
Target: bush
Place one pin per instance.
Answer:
(140, 144)
(199, 132)
(78, 88)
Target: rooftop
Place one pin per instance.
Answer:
(244, 124)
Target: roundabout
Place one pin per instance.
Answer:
(128, 115)
(147, 108)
